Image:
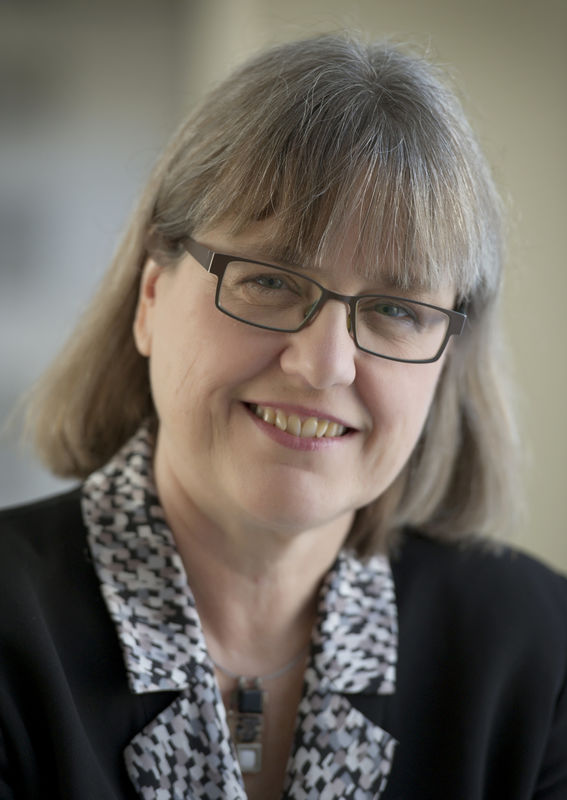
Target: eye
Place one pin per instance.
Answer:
(392, 310)
(266, 284)
(271, 282)
(251, 277)
(388, 315)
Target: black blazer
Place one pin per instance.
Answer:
(480, 709)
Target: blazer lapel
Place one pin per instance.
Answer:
(182, 755)
(338, 752)
(186, 751)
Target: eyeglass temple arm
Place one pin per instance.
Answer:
(201, 253)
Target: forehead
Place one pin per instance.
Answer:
(346, 254)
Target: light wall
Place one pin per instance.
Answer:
(135, 66)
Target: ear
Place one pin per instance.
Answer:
(143, 320)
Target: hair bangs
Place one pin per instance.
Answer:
(331, 154)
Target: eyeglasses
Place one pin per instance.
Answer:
(281, 299)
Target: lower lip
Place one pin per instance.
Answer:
(297, 442)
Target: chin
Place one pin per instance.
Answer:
(287, 520)
(290, 499)
(293, 513)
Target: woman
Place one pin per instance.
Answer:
(286, 407)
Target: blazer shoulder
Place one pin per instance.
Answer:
(38, 533)
(495, 562)
(53, 504)
(40, 514)
(504, 587)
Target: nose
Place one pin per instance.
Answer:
(323, 354)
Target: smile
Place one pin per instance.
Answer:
(308, 428)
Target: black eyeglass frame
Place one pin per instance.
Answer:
(216, 263)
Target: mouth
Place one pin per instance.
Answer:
(297, 425)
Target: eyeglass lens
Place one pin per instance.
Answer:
(282, 300)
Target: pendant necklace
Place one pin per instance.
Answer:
(246, 712)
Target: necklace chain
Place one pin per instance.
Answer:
(262, 678)
(246, 712)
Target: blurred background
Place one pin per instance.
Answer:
(90, 92)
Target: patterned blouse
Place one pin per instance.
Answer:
(187, 751)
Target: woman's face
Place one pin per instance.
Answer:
(209, 373)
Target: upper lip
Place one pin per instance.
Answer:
(303, 411)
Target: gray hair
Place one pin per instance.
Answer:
(322, 136)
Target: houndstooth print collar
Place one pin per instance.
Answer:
(187, 752)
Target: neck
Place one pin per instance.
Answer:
(255, 589)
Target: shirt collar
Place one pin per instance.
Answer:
(145, 588)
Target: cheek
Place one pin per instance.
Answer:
(400, 408)
(402, 399)
(203, 359)
(173, 356)
(422, 391)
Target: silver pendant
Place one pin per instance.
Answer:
(246, 722)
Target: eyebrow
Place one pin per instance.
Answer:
(276, 254)
(282, 255)
(385, 282)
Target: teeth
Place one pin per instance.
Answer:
(322, 426)
(293, 425)
(308, 429)
(281, 420)
(269, 415)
